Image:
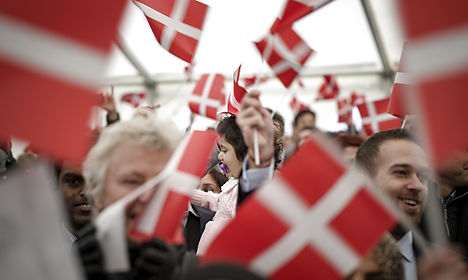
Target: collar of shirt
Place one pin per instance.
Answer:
(70, 237)
(406, 247)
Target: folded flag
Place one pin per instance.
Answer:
(235, 98)
(305, 220)
(176, 24)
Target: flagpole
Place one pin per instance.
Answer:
(404, 122)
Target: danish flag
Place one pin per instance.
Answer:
(235, 98)
(345, 110)
(134, 99)
(397, 106)
(375, 117)
(295, 10)
(177, 24)
(357, 99)
(208, 95)
(297, 106)
(437, 55)
(329, 89)
(169, 194)
(52, 55)
(250, 81)
(305, 220)
(286, 53)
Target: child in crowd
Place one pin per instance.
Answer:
(232, 151)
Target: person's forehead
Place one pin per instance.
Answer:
(401, 152)
(306, 117)
(128, 155)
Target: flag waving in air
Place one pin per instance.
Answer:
(176, 24)
(169, 194)
(329, 89)
(52, 56)
(286, 53)
(235, 98)
(208, 95)
(314, 231)
(375, 117)
(296, 105)
(134, 99)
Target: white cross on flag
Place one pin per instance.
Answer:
(177, 24)
(286, 53)
(296, 105)
(295, 10)
(329, 89)
(163, 212)
(437, 55)
(52, 55)
(134, 99)
(235, 98)
(208, 95)
(375, 117)
(396, 105)
(305, 220)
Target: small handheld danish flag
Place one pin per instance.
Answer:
(305, 220)
(235, 98)
(250, 81)
(176, 24)
(134, 99)
(296, 105)
(295, 10)
(208, 95)
(345, 110)
(286, 53)
(375, 117)
(329, 89)
(169, 194)
(436, 54)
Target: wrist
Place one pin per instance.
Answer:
(265, 161)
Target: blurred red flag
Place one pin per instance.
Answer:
(296, 105)
(329, 89)
(375, 117)
(250, 81)
(286, 53)
(208, 95)
(235, 98)
(176, 24)
(52, 54)
(437, 55)
(163, 214)
(345, 110)
(314, 231)
(295, 10)
(134, 99)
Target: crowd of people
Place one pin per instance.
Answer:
(126, 154)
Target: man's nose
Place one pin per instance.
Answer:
(416, 183)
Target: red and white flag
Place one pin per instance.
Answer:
(329, 89)
(250, 81)
(176, 24)
(134, 99)
(235, 98)
(437, 55)
(345, 110)
(397, 106)
(52, 56)
(357, 99)
(296, 105)
(208, 95)
(314, 231)
(295, 10)
(170, 194)
(375, 117)
(286, 53)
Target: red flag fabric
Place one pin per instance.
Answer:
(235, 98)
(396, 106)
(295, 10)
(305, 221)
(208, 95)
(286, 53)
(52, 54)
(436, 54)
(345, 110)
(134, 99)
(357, 99)
(375, 117)
(164, 211)
(250, 81)
(329, 89)
(296, 105)
(176, 24)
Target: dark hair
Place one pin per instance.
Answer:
(301, 113)
(231, 131)
(369, 150)
(219, 178)
(278, 141)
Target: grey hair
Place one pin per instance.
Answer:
(150, 133)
